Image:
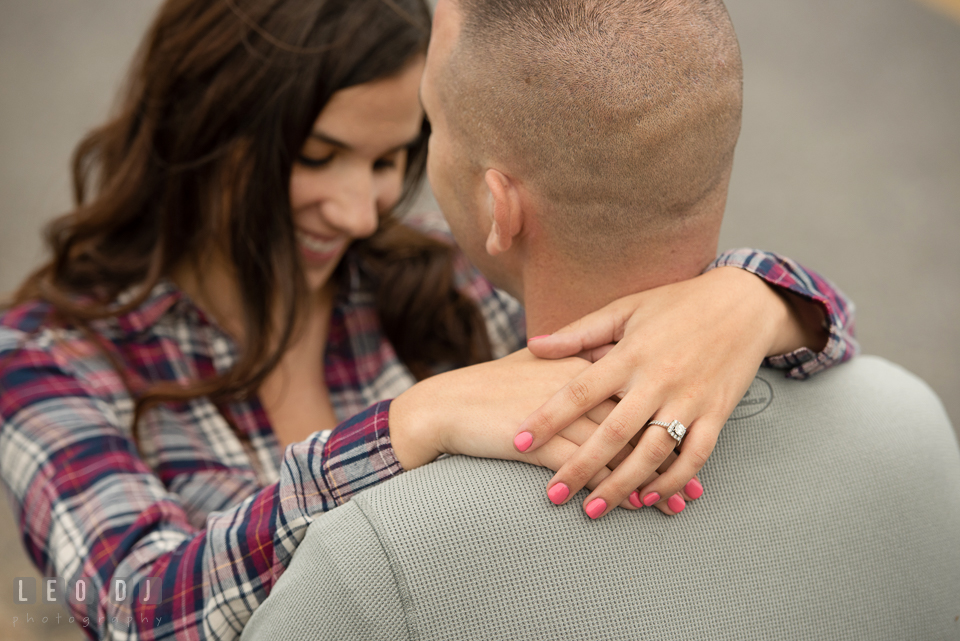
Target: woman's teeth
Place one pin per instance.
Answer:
(317, 245)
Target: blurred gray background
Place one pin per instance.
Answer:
(849, 162)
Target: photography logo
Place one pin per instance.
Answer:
(123, 592)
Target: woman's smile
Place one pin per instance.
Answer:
(316, 248)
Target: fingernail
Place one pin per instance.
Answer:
(651, 498)
(635, 499)
(676, 503)
(596, 507)
(693, 489)
(536, 338)
(559, 493)
(522, 441)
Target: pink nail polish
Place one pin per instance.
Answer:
(693, 489)
(523, 441)
(558, 493)
(651, 498)
(676, 503)
(635, 499)
(536, 338)
(595, 508)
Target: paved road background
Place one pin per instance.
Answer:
(849, 161)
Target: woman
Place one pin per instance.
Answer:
(173, 378)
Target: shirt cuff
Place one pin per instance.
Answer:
(838, 309)
(358, 454)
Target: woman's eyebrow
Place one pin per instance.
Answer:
(330, 141)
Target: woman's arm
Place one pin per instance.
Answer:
(472, 411)
(686, 352)
(89, 507)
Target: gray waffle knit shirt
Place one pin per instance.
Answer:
(831, 511)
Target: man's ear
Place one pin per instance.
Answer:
(507, 213)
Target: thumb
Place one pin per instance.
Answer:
(594, 330)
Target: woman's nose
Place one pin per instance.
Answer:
(354, 211)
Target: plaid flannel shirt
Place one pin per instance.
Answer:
(192, 507)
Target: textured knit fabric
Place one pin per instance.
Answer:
(831, 511)
(218, 523)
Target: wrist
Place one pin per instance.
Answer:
(759, 307)
(797, 322)
(413, 429)
(778, 328)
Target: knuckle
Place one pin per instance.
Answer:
(580, 472)
(671, 486)
(542, 424)
(669, 371)
(632, 359)
(617, 431)
(658, 450)
(666, 488)
(698, 456)
(578, 393)
(617, 488)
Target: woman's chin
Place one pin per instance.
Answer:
(318, 274)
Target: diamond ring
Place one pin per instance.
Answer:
(674, 429)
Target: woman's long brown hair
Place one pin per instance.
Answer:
(220, 99)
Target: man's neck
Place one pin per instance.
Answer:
(557, 290)
(556, 293)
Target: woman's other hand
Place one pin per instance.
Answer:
(463, 411)
(686, 351)
(475, 411)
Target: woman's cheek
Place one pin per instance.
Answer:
(298, 186)
(391, 192)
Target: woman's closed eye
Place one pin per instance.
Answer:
(314, 163)
(391, 161)
(381, 164)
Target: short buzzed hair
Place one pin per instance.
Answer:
(622, 114)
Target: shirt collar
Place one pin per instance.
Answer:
(165, 297)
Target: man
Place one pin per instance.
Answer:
(581, 151)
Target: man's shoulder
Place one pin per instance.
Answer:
(472, 548)
(866, 383)
(874, 372)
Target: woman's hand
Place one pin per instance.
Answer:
(464, 411)
(475, 411)
(687, 352)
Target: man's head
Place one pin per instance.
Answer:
(617, 119)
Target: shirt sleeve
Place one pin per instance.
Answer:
(90, 509)
(782, 272)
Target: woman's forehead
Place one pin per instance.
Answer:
(383, 113)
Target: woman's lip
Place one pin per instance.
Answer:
(318, 249)
(320, 237)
